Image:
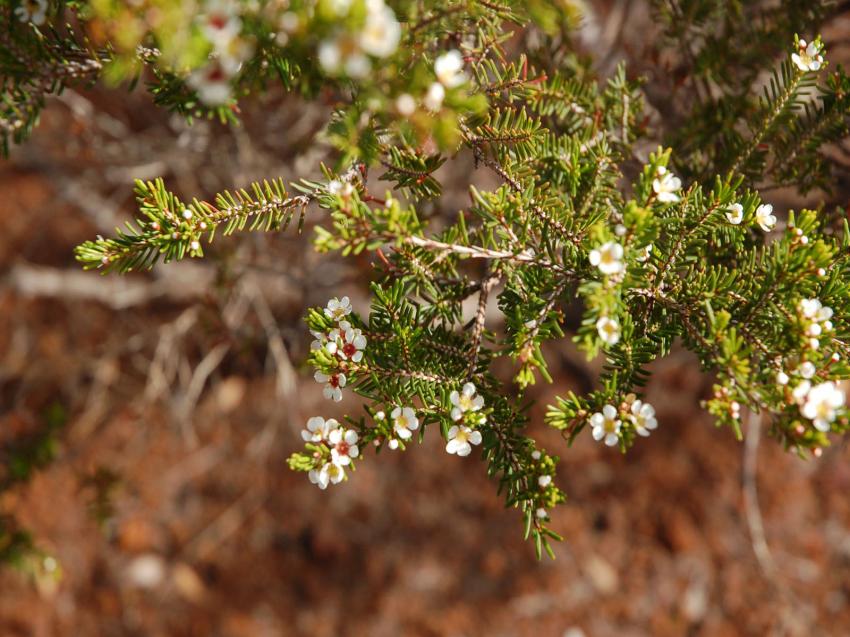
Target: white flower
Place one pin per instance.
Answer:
(821, 404)
(461, 439)
(333, 385)
(338, 309)
(608, 258)
(330, 55)
(382, 32)
(608, 329)
(735, 214)
(343, 445)
(353, 345)
(329, 473)
(357, 66)
(449, 69)
(644, 253)
(536, 455)
(319, 429)
(404, 422)
(541, 513)
(319, 340)
(34, 11)
(765, 217)
(801, 391)
(465, 401)
(405, 104)
(544, 481)
(782, 378)
(211, 83)
(606, 425)
(815, 310)
(643, 417)
(434, 97)
(808, 57)
(219, 21)
(665, 186)
(807, 370)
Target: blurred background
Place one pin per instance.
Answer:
(145, 421)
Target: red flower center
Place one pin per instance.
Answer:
(218, 21)
(349, 350)
(334, 381)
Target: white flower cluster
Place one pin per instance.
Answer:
(343, 341)
(461, 437)
(816, 319)
(449, 71)
(34, 11)
(808, 56)
(349, 53)
(819, 403)
(607, 424)
(221, 25)
(339, 448)
(764, 216)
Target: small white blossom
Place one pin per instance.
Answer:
(330, 55)
(608, 329)
(405, 104)
(644, 253)
(461, 439)
(338, 309)
(212, 83)
(765, 217)
(219, 21)
(821, 404)
(333, 385)
(782, 378)
(343, 445)
(801, 391)
(608, 258)
(404, 422)
(807, 370)
(465, 400)
(544, 481)
(449, 69)
(643, 417)
(357, 65)
(606, 425)
(330, 473)
(808, 57)
(34, 11)
(815, 310)
(665, 186)
(353, 345)
(434, 97)
(382, 32)
(735, 214)
(319, 429)
(541, 513)
(535, 455)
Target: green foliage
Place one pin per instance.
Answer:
(578, 219)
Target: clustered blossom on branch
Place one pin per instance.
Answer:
(681, 251)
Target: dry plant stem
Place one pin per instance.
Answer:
(487, 284)
(755, 523)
